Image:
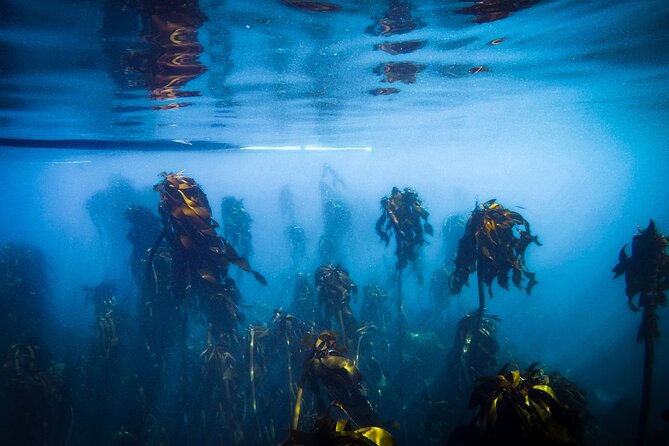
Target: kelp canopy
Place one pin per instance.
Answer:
(403, 214)
(494, 244)
(189, 223)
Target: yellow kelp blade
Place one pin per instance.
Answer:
(546, 388)
(378, 436)
(298, 406)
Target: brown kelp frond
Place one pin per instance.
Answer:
(403, 214)
(187, 216)
(521, 408)
(494, 243)
(646, 271)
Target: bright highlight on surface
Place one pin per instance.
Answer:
(309, 148)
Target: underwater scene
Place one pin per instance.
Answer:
(345, 222)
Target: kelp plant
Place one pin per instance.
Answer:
(646, 274)
(518, 409)
(340, 378)
(334, 287)
(336, 216)
(439, 291)
(493, 245)
(34, 407)
(237, 225)
(23, 291)
(403, 214)
(104, 301)
(200, 263)
(326, 432)
(191, 234)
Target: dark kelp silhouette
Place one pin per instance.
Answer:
(440, 292)
(375, 306)
(103, 297)
(646, 274)
(294, 233)
(335, 287)
(403, 214)
(336, 216)
(237, 225)
(304, 304)
(36, 408)
(474, 350)
(23, 293)
(144, 229)
(518, 409)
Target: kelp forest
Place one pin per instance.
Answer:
(185, 355)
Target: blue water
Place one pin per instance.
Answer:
(563, 120)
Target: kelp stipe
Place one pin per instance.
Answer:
(646, 274)
(403, 214)
(493, 245)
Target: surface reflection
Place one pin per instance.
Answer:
(312, 6)
(399, 71)
(491, 10)
(397, 19)
(170, 27)
(406, 47)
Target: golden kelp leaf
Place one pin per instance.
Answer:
(342, 425)
(546, 388)
(378, 436)
(343, 363)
